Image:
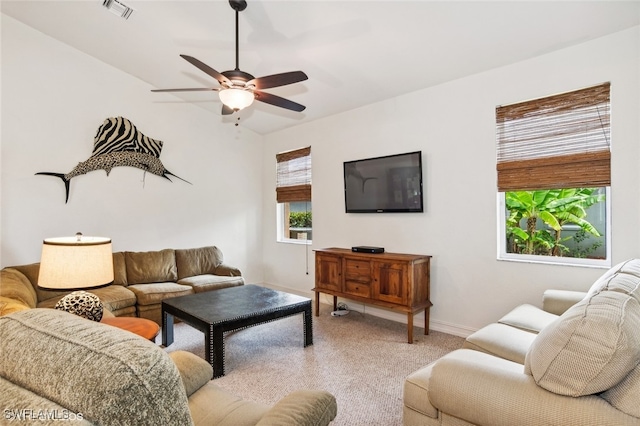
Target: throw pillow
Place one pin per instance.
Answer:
(631, 267)
(590, 348)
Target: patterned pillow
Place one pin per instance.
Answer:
(82, 303)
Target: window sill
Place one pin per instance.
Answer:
(294, 241)
(552, 260)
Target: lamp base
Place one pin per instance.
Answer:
(82, 303)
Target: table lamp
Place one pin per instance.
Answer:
(74, 263)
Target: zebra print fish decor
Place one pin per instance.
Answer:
(118, 143)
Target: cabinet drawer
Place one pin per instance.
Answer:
(357, 288)
(358, 270)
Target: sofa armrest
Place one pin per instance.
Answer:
(558, 301)
(227, 271)
(486, 390)
(302, 408)
(194, 371)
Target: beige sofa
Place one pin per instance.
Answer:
(141, 281)
(58, 366)
(574, 362)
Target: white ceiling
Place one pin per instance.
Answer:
(354, 52)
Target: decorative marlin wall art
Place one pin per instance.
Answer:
(118, 144)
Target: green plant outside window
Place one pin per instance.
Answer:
(300, 219)
(556, 222)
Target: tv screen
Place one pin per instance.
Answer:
(391, 184)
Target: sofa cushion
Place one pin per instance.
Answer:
(201, 283)
(211, 405)
(528, 317)
(15, 285)
(501, 340)
(111, 376)
(589, 348)
(32, 271)
(302, 408)
(119, 269)
(624, 395)
(113, 297)
(152, 294)
(9, 306)
(416, 392)
(151, 266)
(194, 371)
(198, 261)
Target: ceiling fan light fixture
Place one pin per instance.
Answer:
(236, 99)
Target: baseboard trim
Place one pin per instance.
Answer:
(434, 324)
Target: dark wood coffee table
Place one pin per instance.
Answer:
(219, 311)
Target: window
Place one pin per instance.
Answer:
(554, 174)
(293, 195)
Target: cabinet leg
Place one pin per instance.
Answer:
(426, 321)
(410, 327)
(335, 303)
(317, 303)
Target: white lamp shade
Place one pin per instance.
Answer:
(236, 99)
(75, 263)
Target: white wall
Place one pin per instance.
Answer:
(454, 126)
(54, 98)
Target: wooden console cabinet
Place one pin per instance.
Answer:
(395, 281)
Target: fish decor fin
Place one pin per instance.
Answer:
(66, 181)
(167, 172)
(119, 134)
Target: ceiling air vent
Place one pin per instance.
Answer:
(118, 8)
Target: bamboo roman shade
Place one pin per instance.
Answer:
(561, 141)
(293, 175)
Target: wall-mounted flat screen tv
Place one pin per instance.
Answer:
(390, 184)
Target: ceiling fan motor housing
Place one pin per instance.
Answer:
(238, 5)
(238, 76)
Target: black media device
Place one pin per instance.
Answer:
(367, 249)
(391, 184)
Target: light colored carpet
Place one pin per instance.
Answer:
(361, 359)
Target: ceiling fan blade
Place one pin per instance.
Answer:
(207, 69)
(278, 101)
(227, 110)
(199, 89)
(277, 80)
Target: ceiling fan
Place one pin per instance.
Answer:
(239, 88)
